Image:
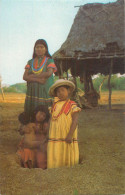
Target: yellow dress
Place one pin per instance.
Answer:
(60, 153)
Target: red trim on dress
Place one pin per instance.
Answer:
(52, 65)
(27, 66)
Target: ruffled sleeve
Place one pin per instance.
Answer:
(28, 66)
(51, 64)
(75, 108)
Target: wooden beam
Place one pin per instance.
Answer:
(109, 85)
(61, 70)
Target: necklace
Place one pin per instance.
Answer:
(61, 111)
(41, 66)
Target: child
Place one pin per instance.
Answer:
(41, 116)
(29, 142)
(38, 145)
(62, 147)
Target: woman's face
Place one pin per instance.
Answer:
(40, 116)
(40, 50)
(62, 93)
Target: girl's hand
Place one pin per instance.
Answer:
(69, 138)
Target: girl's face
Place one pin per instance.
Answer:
(40, 116)
(62, 93)
(40, 50)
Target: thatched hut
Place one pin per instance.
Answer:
(95, 43)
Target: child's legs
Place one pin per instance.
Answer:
(41, 159)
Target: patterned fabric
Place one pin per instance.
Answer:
(60, 153)
(37, 93)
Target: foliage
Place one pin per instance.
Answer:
(117, 83)
(16, 88)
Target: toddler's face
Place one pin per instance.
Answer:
(62, 93)
(40, 116)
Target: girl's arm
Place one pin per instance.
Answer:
(30, 78)
(73, 127)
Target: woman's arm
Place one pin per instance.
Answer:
(29, 78)
(73, 127)
(44, 75)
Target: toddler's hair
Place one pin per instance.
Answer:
(65, 86)
(24, 118)
(41, 108)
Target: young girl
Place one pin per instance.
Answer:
(33, 147)
(62, 147)
(41, 116)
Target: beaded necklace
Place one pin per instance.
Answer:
(61, 111)
(40, 69)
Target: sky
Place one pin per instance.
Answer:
(22, 22)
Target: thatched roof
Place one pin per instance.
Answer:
(96, 36)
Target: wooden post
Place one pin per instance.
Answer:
(109, 84)
(61, 70)
(1, 88)
(100, 87)
(91, 83)
(75, 82)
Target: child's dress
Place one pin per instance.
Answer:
(60, 153)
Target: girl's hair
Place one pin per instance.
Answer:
(43, 42)
(41, 108)
(65, 86)
(24, 118)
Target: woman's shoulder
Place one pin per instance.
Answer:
(30, 61)
(50, 60)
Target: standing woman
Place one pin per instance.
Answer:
(39, 76)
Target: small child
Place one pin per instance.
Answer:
(35, 142)
(63, 147)
(29, 142)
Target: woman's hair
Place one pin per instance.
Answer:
(43, 42)
(24, 118)
(65, 86)
(41, 108)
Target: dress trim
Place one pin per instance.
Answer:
(65, 108)
(40, 99)
(61, 140)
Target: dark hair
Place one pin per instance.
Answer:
(41, 108)
(43, 42)
(24, 118)
(65, 86)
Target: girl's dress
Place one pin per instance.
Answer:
(37, 94)
(60, 153)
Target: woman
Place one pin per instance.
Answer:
(39, 76)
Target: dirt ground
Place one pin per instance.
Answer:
(101, 143)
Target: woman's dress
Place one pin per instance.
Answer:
(37, 94)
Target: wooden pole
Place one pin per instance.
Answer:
(61, 70)
(1, 89)
(100, 87)
(109, 84)
(76, 90)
